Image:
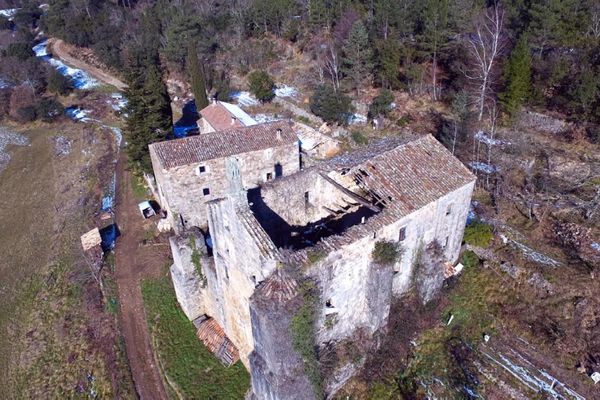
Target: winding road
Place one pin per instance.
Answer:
(59, 49)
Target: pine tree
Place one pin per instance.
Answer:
(436, 34)
(358, 55)
(518, 77)
(149, 112)
(388, 63)
(196, 78)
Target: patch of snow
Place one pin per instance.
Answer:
(239, 114)
(244, 99)
(5, 84)
(9, 138)
(81, 79)
(9, 13)
(286, 91)
(357, 119)
(62, 146)
(534, 255)
(483, 167)
(308, 143)
(536, 379)
(596, 246)
(484, 138)
(118, 135)
(262, 118)
(471, 215)
(76, 113)
(117, 101)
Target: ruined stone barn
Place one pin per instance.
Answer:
(320, 226)
(192, 171)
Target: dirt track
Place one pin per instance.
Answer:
(133, 264)
(59, 49)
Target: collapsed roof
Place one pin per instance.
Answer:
(370, 188)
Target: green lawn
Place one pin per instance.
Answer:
(196, 372)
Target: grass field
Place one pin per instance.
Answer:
(56, 340)
(194, 371)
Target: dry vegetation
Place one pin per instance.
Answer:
(59, 337)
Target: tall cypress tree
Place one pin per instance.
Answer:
(196, 77)
(518, 77)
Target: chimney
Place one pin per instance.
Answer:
(232, 120)
(278, 133)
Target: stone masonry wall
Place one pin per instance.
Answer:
(276, 368)
(181, 188)
(287, 197)
(355, 293)
(240, 264)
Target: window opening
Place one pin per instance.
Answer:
(402, 234)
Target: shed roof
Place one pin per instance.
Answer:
(221, 115)
(228, 142)
(91, 239)
(214, 338)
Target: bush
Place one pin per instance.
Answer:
(403, 121)
(48, 110)
(381, 104)
(58, 83)
(478, 234)
(262, 85)
(302, 328)
(330, 105)
(359, 138)
(26, 114)
(5, 23)
(19, 50)
(316, 255)
(386, 252)
(469, 259)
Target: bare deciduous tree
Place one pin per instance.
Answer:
(485, 45)
(594, 28)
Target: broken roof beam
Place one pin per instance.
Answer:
(350, 193)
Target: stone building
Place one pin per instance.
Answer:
(320, 225)
(220, 115)
(192, 171)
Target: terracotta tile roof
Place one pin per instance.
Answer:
(405, 176)
(208, 146)
(219, 117)
(214, 338)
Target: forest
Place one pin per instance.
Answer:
(483, 60)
